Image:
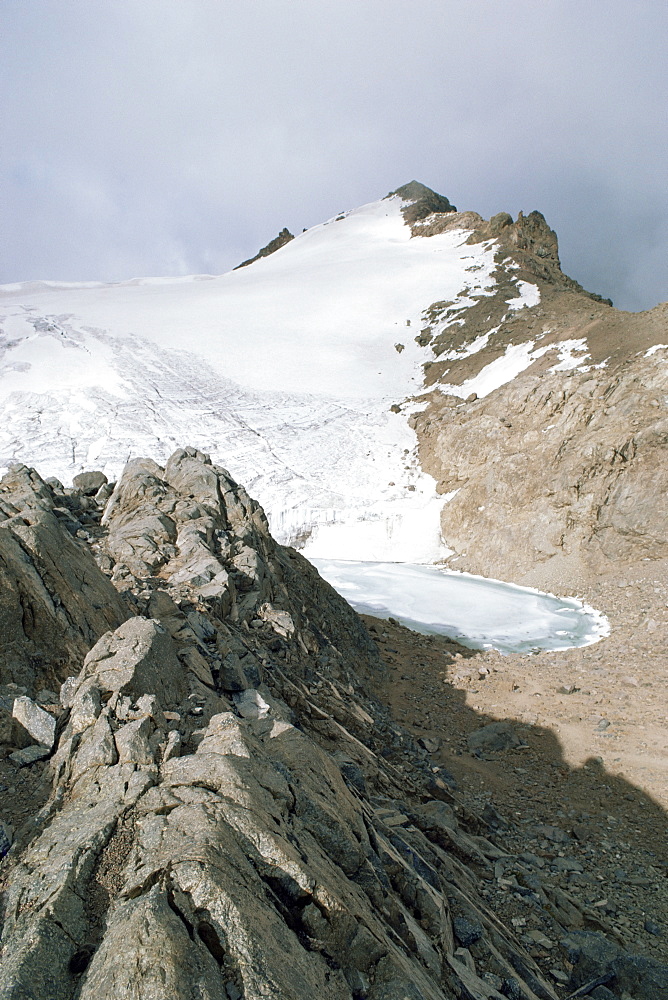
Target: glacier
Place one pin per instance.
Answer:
(284, 371)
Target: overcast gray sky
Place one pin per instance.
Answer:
(150, 137)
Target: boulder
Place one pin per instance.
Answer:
(493, 737)
(89, 483)
(37, 723)
(139, 657)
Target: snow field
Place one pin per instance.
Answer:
(284, 371)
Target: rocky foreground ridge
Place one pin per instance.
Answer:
(215, 805)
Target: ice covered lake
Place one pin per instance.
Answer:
(479, 613)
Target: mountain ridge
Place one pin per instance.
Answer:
(221, 782)
(320, 372)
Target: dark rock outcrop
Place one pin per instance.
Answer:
(285, 236)
(421, 201)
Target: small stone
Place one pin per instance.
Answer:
(532, 859)
(559, 975)
(280, 621)
(464, 956)
(467, 931)
(495, 736)
(104, 493)
(566, 865)
(493, 818)
(540, 939)
(553, 833)
(512, 989)
(603, 724)
(24, 758)
(396, 819)
(251, 705)
(653, 928)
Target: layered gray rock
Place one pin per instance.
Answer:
(243, 862)
(557, 475)
(222, 822)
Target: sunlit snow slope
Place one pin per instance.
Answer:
(285, 371)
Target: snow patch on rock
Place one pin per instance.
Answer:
(529, 295)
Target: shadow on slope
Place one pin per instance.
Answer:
(585, 849)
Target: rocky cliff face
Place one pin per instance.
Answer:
(55, 602)
(219, 817)
(546, 422)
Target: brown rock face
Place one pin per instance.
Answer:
(559, 476)
(558, 473)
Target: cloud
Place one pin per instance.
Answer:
(155, 136)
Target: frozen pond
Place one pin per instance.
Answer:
(479, 613)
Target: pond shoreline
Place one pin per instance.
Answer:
(477, 612)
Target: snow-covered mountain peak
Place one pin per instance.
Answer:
(293, 372)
